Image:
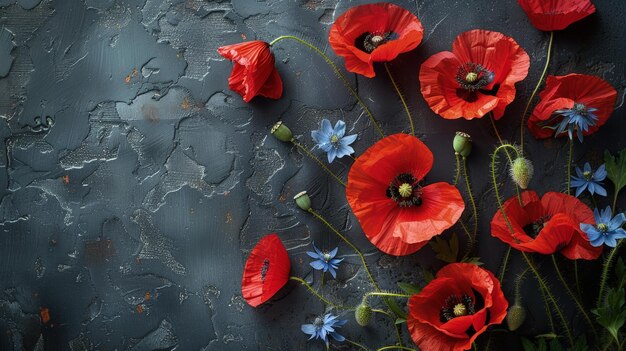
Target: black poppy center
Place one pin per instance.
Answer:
(405, 190)
(534, 228)
(472, 78)
(264, 269)
(369, 41)
(457, 306)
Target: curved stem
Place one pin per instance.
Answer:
(493, 123)
(471, 197)
(569, 165)
(605, 272)
(468, 250)
(495, 180)
(397, 88)
(532, 96)
(573, 297)
(551, 298)
(322, 298)
(357, 344)
(395, 348)
(505, 261)
(337, 72)
(458, 168)
(317, 160)
(548, 310)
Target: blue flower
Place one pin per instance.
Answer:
(586, 179)
(578, 118)
(324, 326)
(607, 230)
(325, 261)
(332, 140)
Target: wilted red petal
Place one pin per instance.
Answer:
(266, 271)
(374, 18)
(549, 15)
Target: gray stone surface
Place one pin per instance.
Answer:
(133, 183)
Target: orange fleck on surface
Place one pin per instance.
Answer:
(45, 315)
(66, 179)
(128, 78)
(138, 259)
(139, 309)
(243, 36)
(229, 217)
(147, 296)
(185, 104)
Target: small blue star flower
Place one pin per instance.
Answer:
(576, 119)
(325, 261)
(607, 230)
(332, 140)
(324, 326)
(587, 179)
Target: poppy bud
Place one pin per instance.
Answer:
(522, 172)
(363, 314)
(303, 200)
(515, 317)
(462, 144)
(282, 132)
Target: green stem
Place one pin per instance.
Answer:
(395, 347)
(505, 261)
(357, 344)
(551, 298)
(495, 180)
(324, 300)
(573, 297)
(546, 304)
(397, 88)
(493, 123)
(569, 165)
(458, 168)
(605, 272)
(317, 160)
(468, 250)
(338, 73)
(471, 197)
(380, 293)
(615, 202)
(532, 96)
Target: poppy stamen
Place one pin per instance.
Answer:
(473, 76)
(265, 268)
(376, 39)
(536, 227)
(405, 190)
(457, 306)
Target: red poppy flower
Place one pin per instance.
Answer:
(266, 271)
(374, 33)
(397, 212)
(549, 15)
(477, 77)
(589, 98)
(546, 226)
(254, 72)
(455, 308)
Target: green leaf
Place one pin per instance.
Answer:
(409, 288)
(528, 345)
(400, 321)
(446, 250)
(555, 345)
(620, 272)
(616, 169)
(473, 260)
(428, 275)
(581, 344)
(613, 314)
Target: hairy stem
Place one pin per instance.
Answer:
(569, 165)
(397, 88)
(471, 197)
(322, 298)
(338, 73)
(318, 161)
(458, 168)
(495, 128)
(357, 344)
(605, 273)
(394, 347)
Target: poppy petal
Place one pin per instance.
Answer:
(550, 15)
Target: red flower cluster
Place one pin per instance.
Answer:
(547, 225)
(397, 212)
(266, 271)
(374, 33)
(477, 77)
(549, 15)
(254, 72)
(455, 308)
(562, 93)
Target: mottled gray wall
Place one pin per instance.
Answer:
(133, 183)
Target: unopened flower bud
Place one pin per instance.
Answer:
(522, 172)
(462, 144)
(303, 200)
(282, 132)
(363, 314)
(515, 317)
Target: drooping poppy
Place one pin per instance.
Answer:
(398, 213)
(455, 308)
(549, 15)
(547, 225)
(253, 72)
(374, 33)
(575, 103)
(266, 271)
(477, 77)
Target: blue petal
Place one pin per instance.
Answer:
(337, 336)
(579, 172)
(610, 241)
(600, 173)
(344, 150)
(319, 252)
(340, 323)
(347, 140)
(319, 137)
(596, 215)
(618, 234)
(333, 253)
(309, 329)
(576, 182)
(326, 127)
(580, 189)
(340, 129)
(587, 228)
(332, 153)
(600, 190)
(587, 167)
(605, 215)
(319, 265)
(591, 186)
(326, 147)
(332, 271)
(598, 242)
(313, 255)
(617, 222)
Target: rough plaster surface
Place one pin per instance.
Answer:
(133, 183)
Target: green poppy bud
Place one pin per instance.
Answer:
(363, 314)
(522, 172)
(462, 144)
(303, 200)
(515, 317)
(282, 132)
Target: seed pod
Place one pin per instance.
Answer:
(282, 132)
(303, 200)
(515, 317)
(522, 172)
(462, 144)
(363, 314)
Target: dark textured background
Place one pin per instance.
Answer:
(133, 183)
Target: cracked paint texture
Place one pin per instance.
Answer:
(134, 183)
